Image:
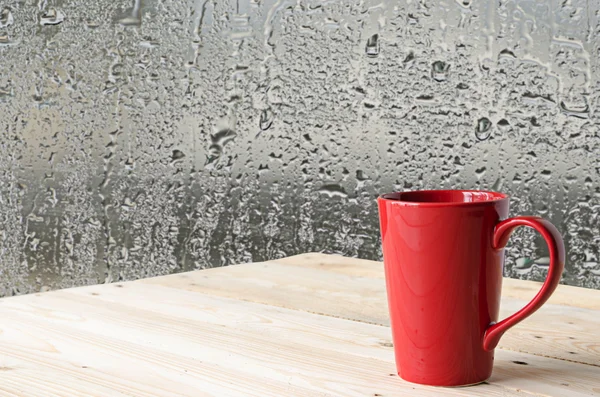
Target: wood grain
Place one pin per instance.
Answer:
(149, 340)
(520, 289)
(259, 330)
(355, 290)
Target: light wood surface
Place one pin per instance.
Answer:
(355, 289)
(311, 325)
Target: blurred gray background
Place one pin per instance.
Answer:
(148, 137)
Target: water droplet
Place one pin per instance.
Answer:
(479, 172)
(148, 43)
(581, 111)
(223, 136)
(6, 18)
(129, 163)
(360, 175)
(523, 263)
(534, 99)
(218, 142)
(333, 190)
(5, 92)
(177, 155)
(5, 40)
(91, 24)
(426, 99)
(506, 53)
(439, 70)
(409, 60)
(497, 186)
(266, 119)
(503, 125)
(372, 47)
(368, 105)
(517, 179)
(52, 17)
(483, 129)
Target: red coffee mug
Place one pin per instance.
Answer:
(443, 252)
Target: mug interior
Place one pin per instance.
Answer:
(445, 196)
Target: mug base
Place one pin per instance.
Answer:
(447, 386)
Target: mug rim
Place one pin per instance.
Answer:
(396, 198)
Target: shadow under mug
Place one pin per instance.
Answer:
(443, 253)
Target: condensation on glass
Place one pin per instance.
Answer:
(148, 137)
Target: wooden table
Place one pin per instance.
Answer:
(310, 325)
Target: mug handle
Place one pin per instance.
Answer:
(556, 249)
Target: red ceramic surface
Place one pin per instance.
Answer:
(444, 253)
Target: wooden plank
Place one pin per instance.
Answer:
(145, 339)
(355, 289)
(303, 288)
